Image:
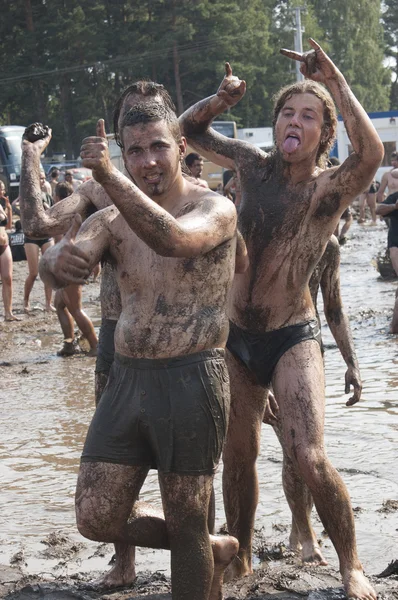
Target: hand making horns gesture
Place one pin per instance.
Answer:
(315, 64)
(232, 89)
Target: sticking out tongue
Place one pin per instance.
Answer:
(290, 144)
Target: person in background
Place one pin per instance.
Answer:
(389, 208)
(70, 179)
(33, 248)
(54, 175)
(194, 163)
(68, 302)
(17, 243)
(5, 254)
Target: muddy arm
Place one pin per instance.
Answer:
(339, 324)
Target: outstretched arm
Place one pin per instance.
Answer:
(195, 124)
(388, 206)
(211, 221)
(339, 323)
(36, 221)
(357, 171)
(72, 259)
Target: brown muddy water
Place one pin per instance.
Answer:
(46, 404)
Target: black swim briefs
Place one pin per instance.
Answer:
(106, 346)
(260, 352)
(39, 243)
(170, 415)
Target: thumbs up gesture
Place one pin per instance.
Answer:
(95, 154)
(65, 261)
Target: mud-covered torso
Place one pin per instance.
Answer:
(285, 238)
(170, 306)
(392, 183)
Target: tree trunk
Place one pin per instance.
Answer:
(177, 79)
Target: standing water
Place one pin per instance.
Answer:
(46, 404)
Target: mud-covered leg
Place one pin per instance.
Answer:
(198, 560)
(298, 496)
(240, 484)
(298, 384)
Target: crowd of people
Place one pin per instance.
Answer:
(209, 326)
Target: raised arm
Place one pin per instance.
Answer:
(195, 124)
(338, 321)
(36, 221)
(209, 222)
(72, 259)
(356, 173)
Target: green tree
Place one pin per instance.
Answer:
(390, 22)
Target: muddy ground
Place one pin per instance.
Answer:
(279, 576)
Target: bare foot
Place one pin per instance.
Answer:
(239, 567)
(50, 308)
(122, 573)
(11, 317)
(26, 308)
(357, 586)
(224, 548)
(311, 554)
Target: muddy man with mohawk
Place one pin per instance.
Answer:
(290, 207)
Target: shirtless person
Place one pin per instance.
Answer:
(389, 180)
(166, 404)
(290, 208)
(68, 302)
(326, 276)
(89, 197)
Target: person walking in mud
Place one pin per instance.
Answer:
(166, 404)
(290, 207)
(68, 302)
(325, 276)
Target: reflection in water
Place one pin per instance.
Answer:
(45, 414)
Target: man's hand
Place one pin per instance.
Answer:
(315, 64)
(95, 154)
(231, 89)
(353, 377)
(36, 136)
(65, 261)
(271, 410)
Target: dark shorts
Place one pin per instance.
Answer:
(260, 352)
(373, 188)
(106, 346)
(346, 214)
(3, 248)
(170, 415)
(39, 243)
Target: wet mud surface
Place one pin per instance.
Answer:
(47, 403)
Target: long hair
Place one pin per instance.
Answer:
(329, 113)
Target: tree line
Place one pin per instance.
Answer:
(65, 62)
